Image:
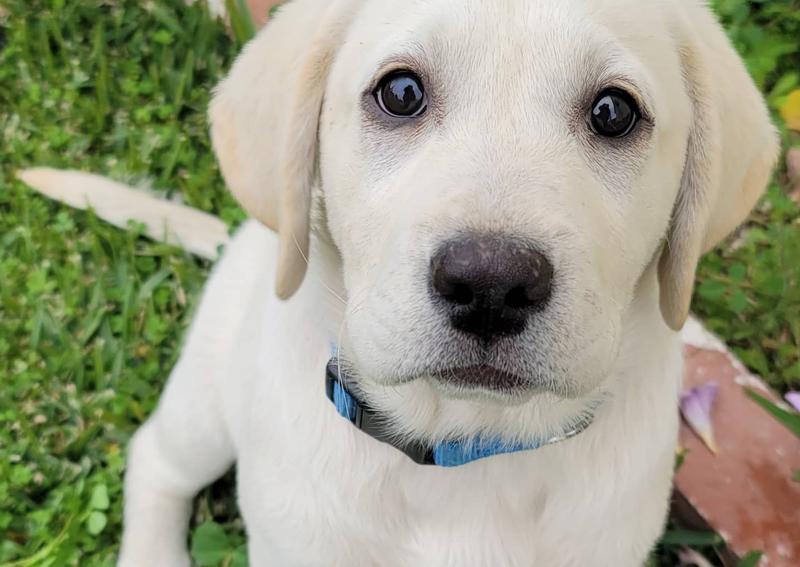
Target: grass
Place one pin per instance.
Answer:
(91, 317)
(749, 289)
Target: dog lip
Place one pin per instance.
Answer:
(483, 376)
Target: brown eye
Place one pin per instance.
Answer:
(614, 114)
(401, 94)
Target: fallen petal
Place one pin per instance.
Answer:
(696, 404)
(794, 400)
(689, 556)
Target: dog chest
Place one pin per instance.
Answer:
(344, 499)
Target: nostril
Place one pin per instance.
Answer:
(489, 285)
(517, 298)
(461, 294)
(448, 286)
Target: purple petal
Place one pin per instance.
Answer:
(794, 399)
(696, 404)
(689, 556)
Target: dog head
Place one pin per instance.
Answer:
(497, 178)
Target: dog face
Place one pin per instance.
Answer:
(497, 177)
(503, 167)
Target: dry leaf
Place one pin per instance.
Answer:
(793, 164)
(794, 194)
(793, 173)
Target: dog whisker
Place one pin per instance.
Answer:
(316, 276)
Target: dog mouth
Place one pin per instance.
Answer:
(449, 446)
(482, 377)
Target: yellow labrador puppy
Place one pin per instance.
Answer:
(487, 220)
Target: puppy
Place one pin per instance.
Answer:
(487, 218)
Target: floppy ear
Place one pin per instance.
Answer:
(731, 150)
(264, 123)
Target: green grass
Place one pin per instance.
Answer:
(91, 317)
(749, 289)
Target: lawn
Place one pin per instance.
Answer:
(91, 317)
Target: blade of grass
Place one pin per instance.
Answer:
(690, 538)
(241, 21)
(788, 419)
(751, 559)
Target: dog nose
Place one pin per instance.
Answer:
(490, 285)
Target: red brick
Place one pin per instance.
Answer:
(746, 492)
(260, 9)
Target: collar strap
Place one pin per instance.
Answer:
(447, 454)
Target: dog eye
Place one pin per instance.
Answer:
(401, 94)
(614, 114)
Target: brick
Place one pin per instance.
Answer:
(260, 9)
(746, 492)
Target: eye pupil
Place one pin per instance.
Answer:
(614, 114)
(401, 94)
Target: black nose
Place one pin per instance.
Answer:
(489, 284)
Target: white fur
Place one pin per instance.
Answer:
(194, 230)
(315, 491)
(503, 148)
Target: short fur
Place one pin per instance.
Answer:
(503, 148)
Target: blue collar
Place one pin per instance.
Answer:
(447, 454)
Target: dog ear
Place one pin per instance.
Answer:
(730, 154)
(264, 123)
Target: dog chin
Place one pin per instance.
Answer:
(429, 409)
(504, 395)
